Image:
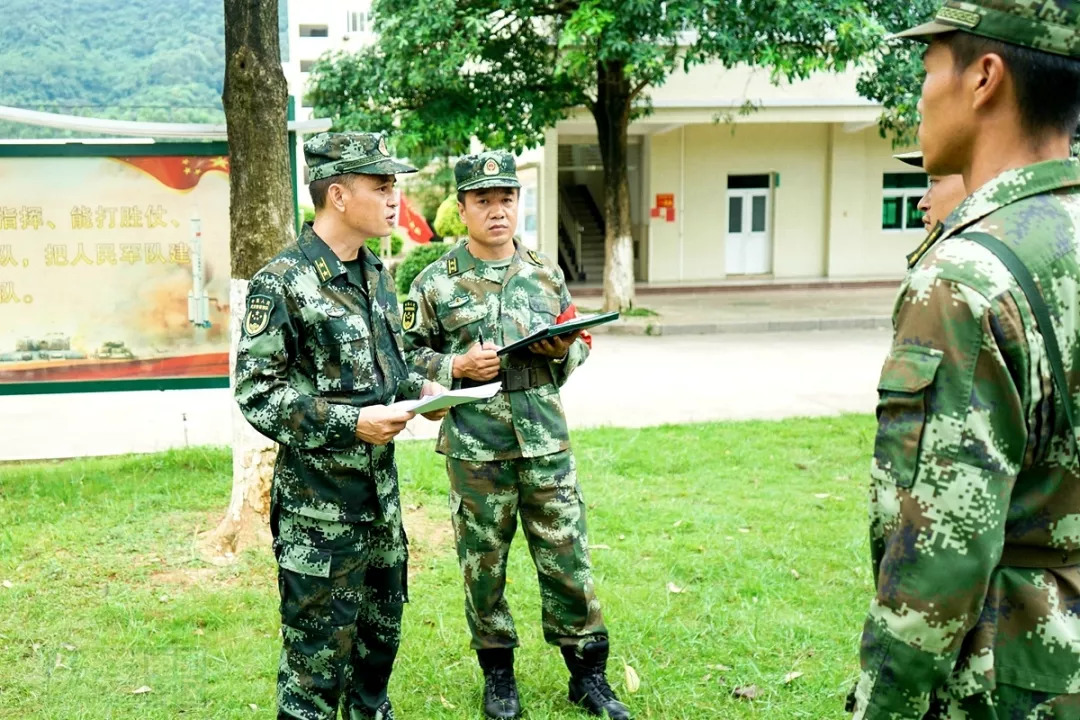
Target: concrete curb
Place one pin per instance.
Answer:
(658, 327)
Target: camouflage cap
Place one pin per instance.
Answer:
(1052, 26)
(329, 154)
(495, 168)
(911, 158)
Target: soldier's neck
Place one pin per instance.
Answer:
(342, 240)
(481, 251)
(998, 150)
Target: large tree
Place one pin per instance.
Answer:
(504, 71)
(261, 222)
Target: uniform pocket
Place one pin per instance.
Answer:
(903, 396)
(545, 307)
(343, 358)
(305, 560)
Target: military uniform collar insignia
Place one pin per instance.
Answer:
(326, 264)
(931, 238)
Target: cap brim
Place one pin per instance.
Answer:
(924, 32)
(381, 167)
(915, 159)
(493, 182)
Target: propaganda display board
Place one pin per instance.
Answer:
(114, 267)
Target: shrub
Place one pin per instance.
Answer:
(414, 263)
(397, 241)
(447, 221)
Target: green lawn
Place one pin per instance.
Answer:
(760, 525)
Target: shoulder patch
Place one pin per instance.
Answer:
(408, 315)
(535, 258)
(258, 312)
(451, 266)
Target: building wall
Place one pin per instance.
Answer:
(826, 208)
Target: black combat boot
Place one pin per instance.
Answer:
(588, 681)
(500, 688)
(385, 712)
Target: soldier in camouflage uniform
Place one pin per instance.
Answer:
(943, 195)
(975, 482)
(510, 455)
(319, 359)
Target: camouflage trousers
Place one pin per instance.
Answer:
(1006, 702)
(485, 501)
(342, 586)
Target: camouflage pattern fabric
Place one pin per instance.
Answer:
(1051, 26)
(329, 154)
(485, 500)
(316, 348)
(454, 302)
(1007, 703)
(974, 458)
(496, 168)
(342, 586)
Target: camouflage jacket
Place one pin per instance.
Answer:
(311, 354)
(451, 303)
(974, 457)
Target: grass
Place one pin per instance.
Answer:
(760, 525)
(628, 312)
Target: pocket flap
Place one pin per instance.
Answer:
(455, 502)
(305, 560)
(460, 317)
(909, 368)
(544, 304)
(337, 331)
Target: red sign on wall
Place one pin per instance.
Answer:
(665, 207)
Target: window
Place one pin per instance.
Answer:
(901, 193)
(306, 65)
(358, 21)
(314, 31)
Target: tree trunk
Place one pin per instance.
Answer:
(612, 115)
(261, 223)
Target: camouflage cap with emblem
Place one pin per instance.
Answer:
(495, 168)
(1051, 26)
(329, 154)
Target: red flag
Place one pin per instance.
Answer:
(569, 314)
(414, 223)
(180, 172)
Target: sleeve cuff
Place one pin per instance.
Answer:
(445, 374)
(341, 426)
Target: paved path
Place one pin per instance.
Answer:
(628, 381)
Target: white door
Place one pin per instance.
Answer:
(748, 249)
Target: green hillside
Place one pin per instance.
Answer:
(149, 60)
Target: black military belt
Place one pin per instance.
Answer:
(1027, 556)
(525, 378)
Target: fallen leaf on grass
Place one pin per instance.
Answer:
(821, 496)
(673, 588)
(200, 631)
(69, 647)
(707, 677)
(599, 547)
(622, 537)
(633, 682)
(795, 573)
(744, 530)
(141, 691)
(60, 663)
(8, 584)
(720, 668)
(802, 466)
(677, 523)
(253, 706)
(792, 676)
(746, 692)
(446, 703)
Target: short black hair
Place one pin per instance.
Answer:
(1047, 85)
(318, 188)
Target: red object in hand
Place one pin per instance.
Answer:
(569, 314)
